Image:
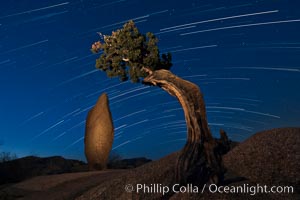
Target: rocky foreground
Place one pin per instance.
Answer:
(268, 158)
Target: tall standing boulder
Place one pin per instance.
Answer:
(99, 134)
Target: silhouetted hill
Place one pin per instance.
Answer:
(27, 167)
(128, 163)
(31, 166)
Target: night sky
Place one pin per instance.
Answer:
(244, 55)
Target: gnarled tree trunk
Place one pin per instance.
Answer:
(199, 161)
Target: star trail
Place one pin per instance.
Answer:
(244, 57)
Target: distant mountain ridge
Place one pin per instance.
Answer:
(30, 166)
(128, 163)
(27, 167)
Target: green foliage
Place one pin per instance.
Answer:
(126, 51)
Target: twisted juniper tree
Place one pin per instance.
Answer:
(128, 54)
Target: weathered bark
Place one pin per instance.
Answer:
(224, 143)
(199, 161)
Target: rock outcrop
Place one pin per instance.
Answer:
(127, 163)
(111, 184)
(99, 134)
(238, 160)
(271, 157)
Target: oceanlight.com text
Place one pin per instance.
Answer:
(211, 188)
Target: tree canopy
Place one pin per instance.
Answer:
(128, 54)
(126, 51)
